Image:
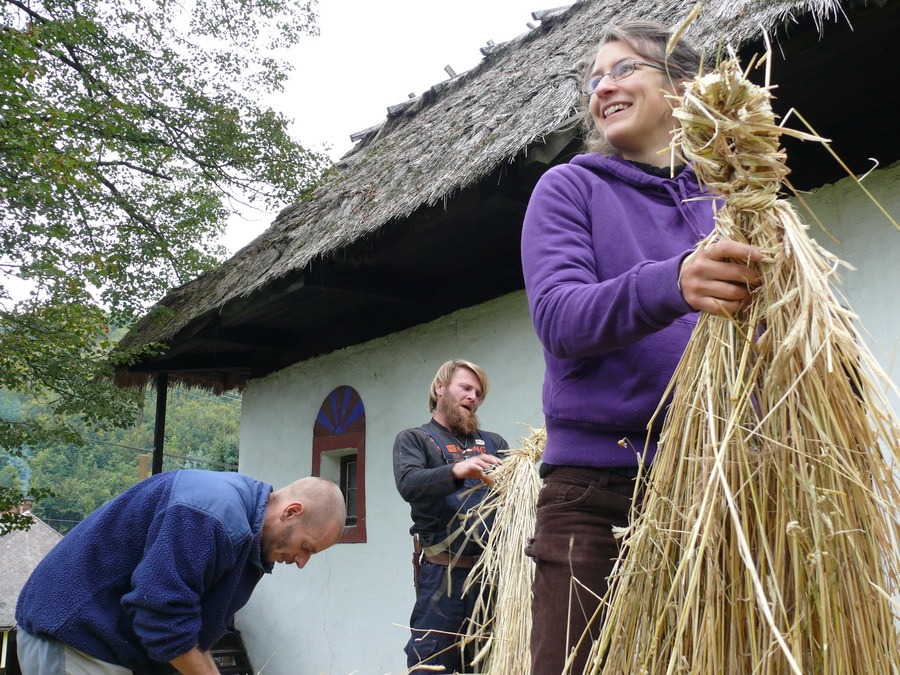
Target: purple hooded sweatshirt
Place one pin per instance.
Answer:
(602, 245)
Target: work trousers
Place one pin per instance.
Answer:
(40, 656)
(574, 552)
(438, 619)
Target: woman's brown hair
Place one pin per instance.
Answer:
(649, 40)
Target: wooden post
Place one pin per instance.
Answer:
(159, 429)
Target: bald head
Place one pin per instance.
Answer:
(302, 519)
(322, 499)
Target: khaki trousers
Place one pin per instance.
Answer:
(39, 656)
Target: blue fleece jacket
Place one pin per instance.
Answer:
(602, 245)
(154, 572)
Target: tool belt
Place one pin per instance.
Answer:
(446, 559)
(443, 558)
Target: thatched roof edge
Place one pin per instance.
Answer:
(448, 140)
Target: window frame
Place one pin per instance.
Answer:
(333, 442)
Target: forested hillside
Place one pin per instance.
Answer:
(201, 432)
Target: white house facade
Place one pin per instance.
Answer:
(334, 321)
(348, 609)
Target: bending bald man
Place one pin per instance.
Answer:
(149, 582)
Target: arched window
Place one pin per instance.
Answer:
(339, 454)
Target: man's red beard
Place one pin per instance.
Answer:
(461, 422)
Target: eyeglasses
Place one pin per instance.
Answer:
(619, 72)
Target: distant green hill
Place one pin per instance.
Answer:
(202, 431)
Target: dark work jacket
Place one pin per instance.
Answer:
(424, 478)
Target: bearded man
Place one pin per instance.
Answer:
(441, 469)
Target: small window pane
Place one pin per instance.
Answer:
(348, 487)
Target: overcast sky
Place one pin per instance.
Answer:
(373, 54)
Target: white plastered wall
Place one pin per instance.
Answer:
(346, 611)
(868, 241)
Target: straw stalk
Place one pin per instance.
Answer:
(503, 574)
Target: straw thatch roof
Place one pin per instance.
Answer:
(20, 552)
(423, 216)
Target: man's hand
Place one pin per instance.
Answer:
(195, 662)
(477, 467)
(718, 278)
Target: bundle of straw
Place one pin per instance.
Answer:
(503, 573)
(767, 541)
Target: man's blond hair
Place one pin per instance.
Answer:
(445, 374)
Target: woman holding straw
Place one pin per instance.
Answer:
(613, 283)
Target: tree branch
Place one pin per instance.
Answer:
(135, 167)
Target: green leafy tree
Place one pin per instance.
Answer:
(81, 479)
(128, 132)
(212, 444)
(9, 475)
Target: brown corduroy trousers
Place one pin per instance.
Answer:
(574, 553)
